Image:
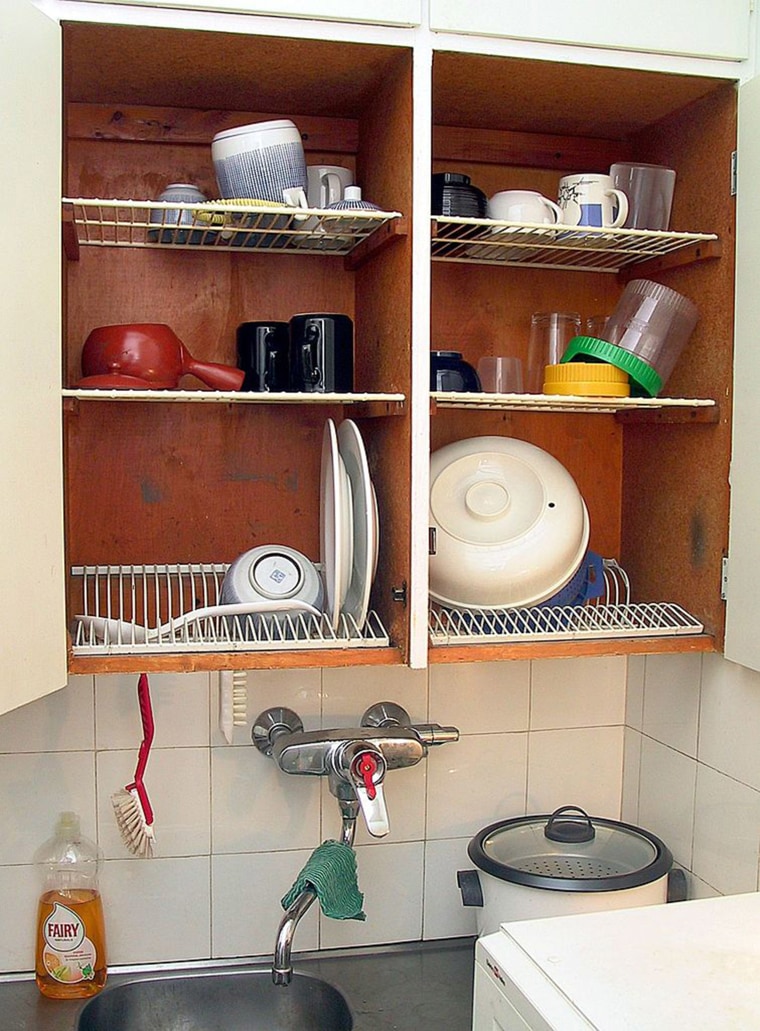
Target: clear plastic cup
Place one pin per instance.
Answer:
(649, 189)
(501, 374)
(550, 333)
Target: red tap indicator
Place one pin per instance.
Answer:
(365, 768)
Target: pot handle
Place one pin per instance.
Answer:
(218, 377)
(575, 828)
(469, 885)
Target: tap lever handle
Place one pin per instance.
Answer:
(365, 768)
(367, 771)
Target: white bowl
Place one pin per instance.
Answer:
(273, 573)
(511, 527)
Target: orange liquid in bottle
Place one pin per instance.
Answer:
(71, 953)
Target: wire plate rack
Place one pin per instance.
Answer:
(220, 224)
(559, 623)
(476, 240)
(610, 615)
(563, 403)
(134, 597)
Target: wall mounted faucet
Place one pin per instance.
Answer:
(355, 760)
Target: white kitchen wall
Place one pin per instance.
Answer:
(692, 765)
(233, 832)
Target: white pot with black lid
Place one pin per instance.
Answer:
(562, 863)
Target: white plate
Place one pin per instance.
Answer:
(366, 530)
(335, 524)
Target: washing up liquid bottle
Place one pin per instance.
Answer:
(70, 961)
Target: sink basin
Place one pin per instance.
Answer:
(218, 1002)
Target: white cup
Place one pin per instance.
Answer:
(500, 374)
(327, 184)
(590, 199)
(523, 206)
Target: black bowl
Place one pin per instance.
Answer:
(454, 195)
(449, 371)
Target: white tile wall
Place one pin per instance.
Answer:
(666, 799)
(730, 720)
(444, 916)
(671, 700)
(726, 832)
(696, 781)
(582, 766)
(246, 891)
(587, 692)
(233, 831)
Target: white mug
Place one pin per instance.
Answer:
(523, 206)
(327, 183)
(590, 199)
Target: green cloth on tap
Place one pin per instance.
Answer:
(331, 872)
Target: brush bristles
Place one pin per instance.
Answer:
(137, 833)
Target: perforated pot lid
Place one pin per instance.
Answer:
(568, 851)
(511, 527)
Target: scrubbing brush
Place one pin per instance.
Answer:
(132, 807)
(233, 701)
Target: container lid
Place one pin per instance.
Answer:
(569, 851)
(586, 379)
(637, 369)
(511, 526)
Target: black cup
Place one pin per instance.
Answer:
(263, 353)
(322, 353)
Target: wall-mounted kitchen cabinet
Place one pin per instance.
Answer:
(165, 489)
(654, 473)
(382, 12)
(700, 30)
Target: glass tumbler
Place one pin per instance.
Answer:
(550, 333)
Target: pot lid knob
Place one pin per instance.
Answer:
(575, 828)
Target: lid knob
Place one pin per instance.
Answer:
(575, 828)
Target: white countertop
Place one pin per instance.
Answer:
(693, 965)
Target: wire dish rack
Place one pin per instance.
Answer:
(223, 225)
(121, 607)
(492, 241)
(610, 615)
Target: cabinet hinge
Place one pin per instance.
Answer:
(724, 578)
(431, 540)
(399, 593)
(734, 162)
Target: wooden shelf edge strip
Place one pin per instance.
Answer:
(376, 242)
(570, 649)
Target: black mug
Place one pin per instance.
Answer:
(263, 354)
(322, 354)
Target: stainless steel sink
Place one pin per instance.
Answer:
(218, 1002)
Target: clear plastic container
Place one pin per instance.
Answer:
(653, 323)
(70, 961)
(550, 333)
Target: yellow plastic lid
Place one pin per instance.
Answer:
(586, 379)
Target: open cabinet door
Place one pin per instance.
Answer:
(743, 589)
(32, 611)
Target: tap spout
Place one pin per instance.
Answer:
(282, 966)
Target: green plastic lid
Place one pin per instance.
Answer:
(638, 370)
